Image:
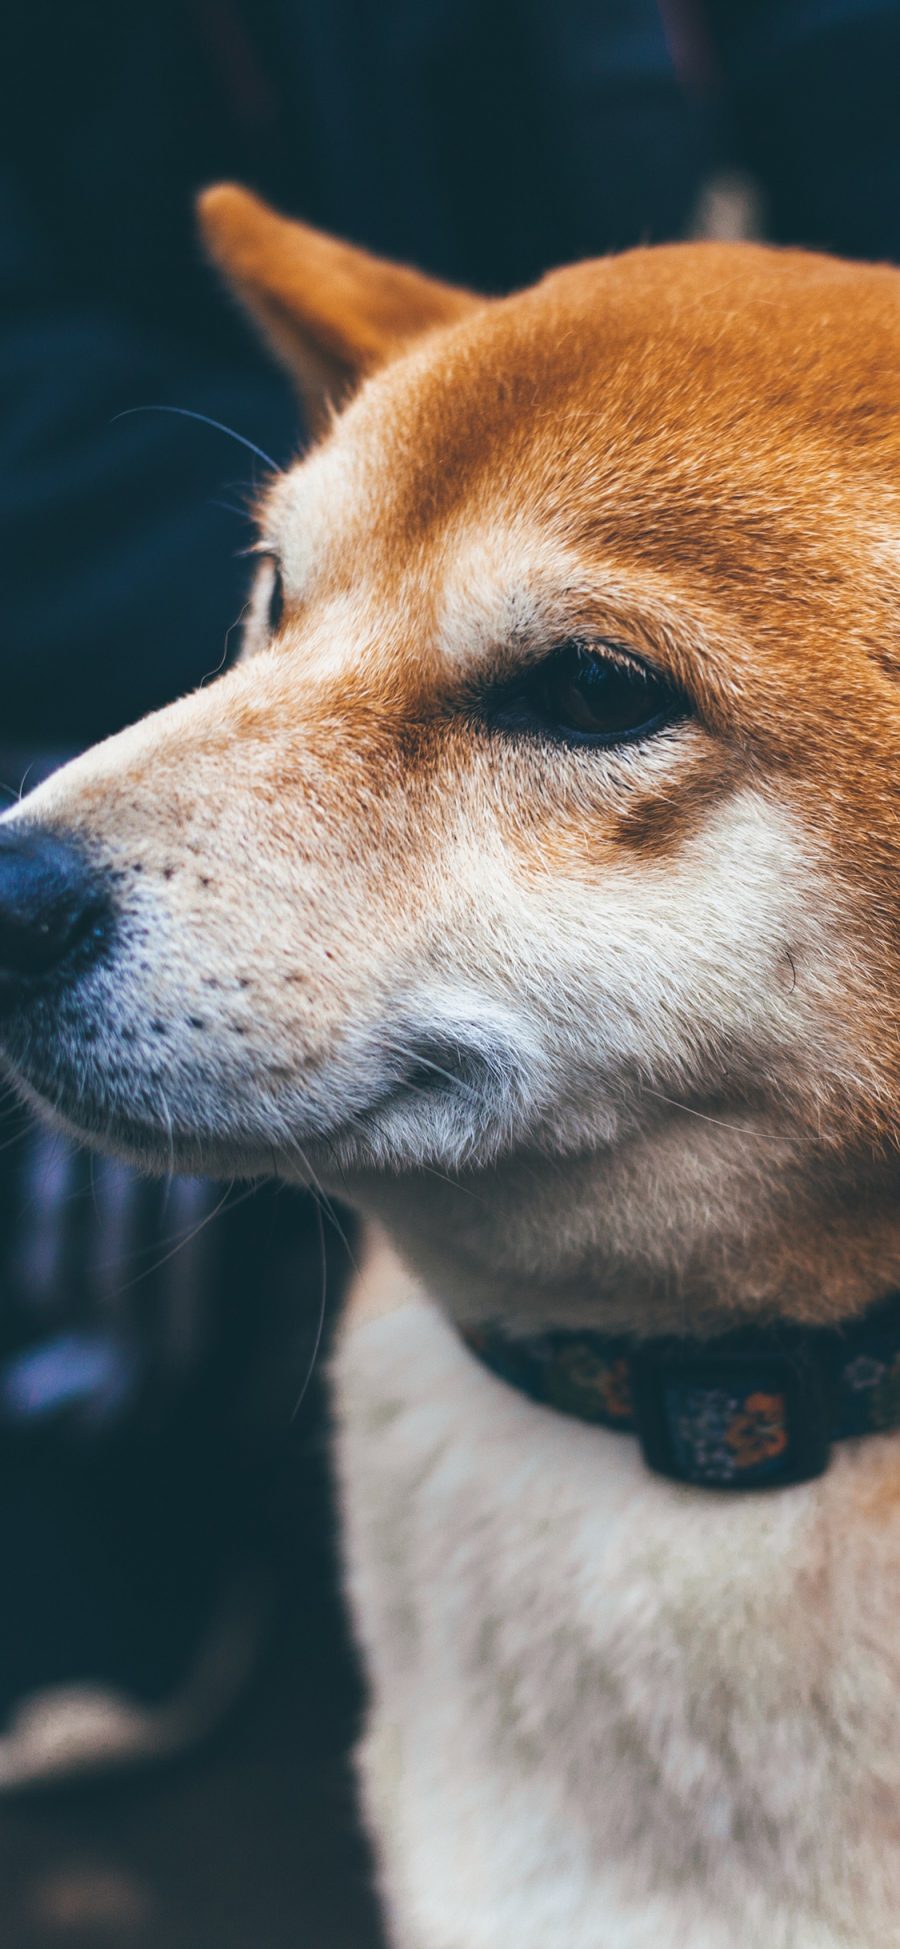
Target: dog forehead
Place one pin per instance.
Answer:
(693, 367)
(666, 411)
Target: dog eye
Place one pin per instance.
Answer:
(275, 612)
(590, 696)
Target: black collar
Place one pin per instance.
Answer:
(755, 1409)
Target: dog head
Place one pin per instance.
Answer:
(553, 795)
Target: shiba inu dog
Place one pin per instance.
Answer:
(533, 881)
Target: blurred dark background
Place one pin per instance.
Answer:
(177, 1691)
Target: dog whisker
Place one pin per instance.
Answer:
(217, 667)
(176, 1240)
(170, 1136)
(323, 1201)
(186, 1239)
(320, 1323)
(410, 1054)
(719, 1123)
(187, 413)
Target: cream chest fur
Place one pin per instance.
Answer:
(608, 1711)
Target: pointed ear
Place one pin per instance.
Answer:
(330, 312)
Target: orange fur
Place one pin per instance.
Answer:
(596, 1036)
(710, 432)
(329, 311)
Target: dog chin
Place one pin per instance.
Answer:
(148, 1147)
(394, 1133)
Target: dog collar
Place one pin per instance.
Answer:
(755, 1409)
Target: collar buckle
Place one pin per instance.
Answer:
(737, 1418)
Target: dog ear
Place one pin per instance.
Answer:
(332, 313)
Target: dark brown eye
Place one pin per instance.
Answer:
(599, 696)
(275, 612)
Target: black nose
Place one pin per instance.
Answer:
(51, 900)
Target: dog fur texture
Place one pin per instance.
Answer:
(602, 1036)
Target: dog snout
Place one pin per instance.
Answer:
(52, 902)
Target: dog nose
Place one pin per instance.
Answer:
(50, 900)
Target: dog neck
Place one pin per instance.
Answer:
(690, 1231)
